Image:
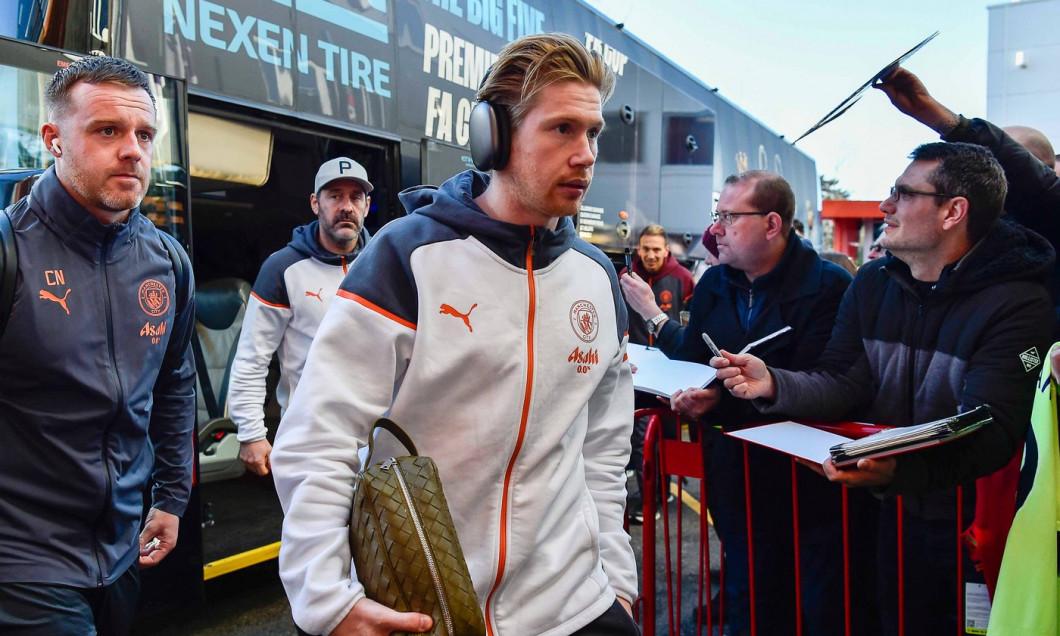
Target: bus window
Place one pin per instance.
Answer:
(24, 71)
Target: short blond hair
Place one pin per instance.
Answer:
(530, 64)
(652, 230)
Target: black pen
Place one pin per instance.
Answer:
(629, 262)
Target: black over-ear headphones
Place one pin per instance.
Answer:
(491, 136)
(491, 133)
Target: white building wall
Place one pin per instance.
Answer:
(1023, 66)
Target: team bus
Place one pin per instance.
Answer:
(254, 94)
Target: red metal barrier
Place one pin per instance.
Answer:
(680, 459)
(984, 538)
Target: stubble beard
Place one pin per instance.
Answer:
(113, 201)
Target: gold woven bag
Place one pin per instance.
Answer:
(404, 545)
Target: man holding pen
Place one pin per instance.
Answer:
(768, 279)
(671, 284)
(955, 316)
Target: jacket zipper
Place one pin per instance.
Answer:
(912, 360)
(344, 270)
(118, 393)
(750, 306)
(432, 567)
(503, 552)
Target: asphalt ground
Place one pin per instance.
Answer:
(251, 602)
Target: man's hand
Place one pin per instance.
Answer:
(639, 295)
(625, 605)
(693, 403)
(744, 375)
(910, 96)
(162, 526)
(869, 472)
(255, 456)
(368, 618)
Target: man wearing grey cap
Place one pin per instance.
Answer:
(291, 294)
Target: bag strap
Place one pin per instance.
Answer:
(8, 268)
(395, 430)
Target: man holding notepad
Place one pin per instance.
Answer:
(768, 279)
(956, 316)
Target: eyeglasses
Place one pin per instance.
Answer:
(897, 192)
(728, 218)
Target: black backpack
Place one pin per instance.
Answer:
(9, 267)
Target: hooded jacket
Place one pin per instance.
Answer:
(290, 296)
(900, 357)
(97, 399)
(1033, 198)
(672, 285)
(500, 349)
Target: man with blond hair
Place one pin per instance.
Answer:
(495, 337)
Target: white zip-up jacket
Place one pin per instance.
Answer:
(500, 349)
(291, 295)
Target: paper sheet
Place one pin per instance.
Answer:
(662, 376)
(792, 438)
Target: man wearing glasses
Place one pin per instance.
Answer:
(768, 279)
(1034, 188)
(956, 316)
(291, 295)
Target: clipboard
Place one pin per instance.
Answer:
(895, 441)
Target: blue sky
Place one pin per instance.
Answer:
(788, 63)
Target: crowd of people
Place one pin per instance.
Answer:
(956, 309)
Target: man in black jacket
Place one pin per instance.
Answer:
(1033, 186)
(768, 279)
(97, 383)
(956, 316)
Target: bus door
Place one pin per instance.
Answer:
(251, 177)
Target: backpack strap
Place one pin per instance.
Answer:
(8, 267)
(180, 269)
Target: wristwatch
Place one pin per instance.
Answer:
(655, 321)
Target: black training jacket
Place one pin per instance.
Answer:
(97, 392)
